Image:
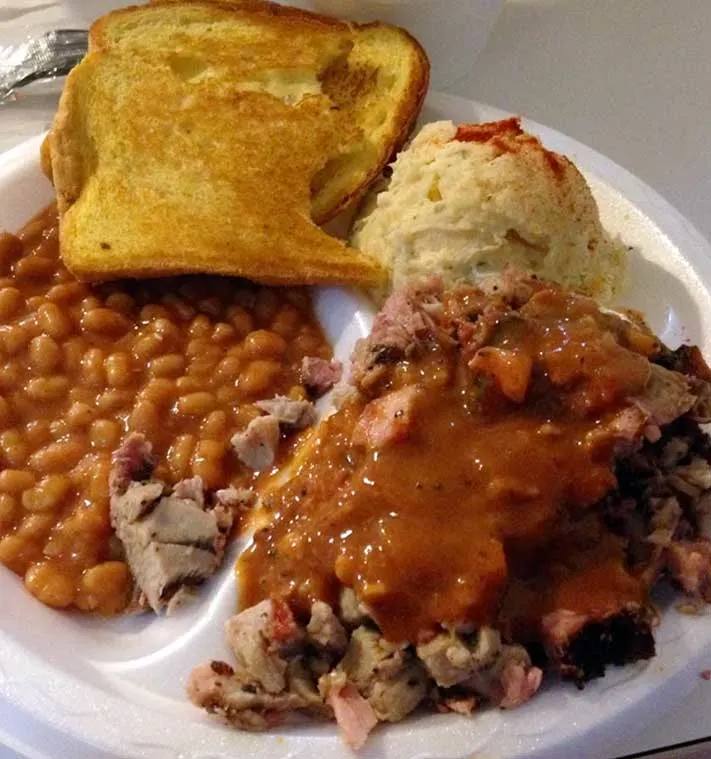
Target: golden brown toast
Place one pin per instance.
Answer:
(204, 136)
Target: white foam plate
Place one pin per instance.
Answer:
(72, 685)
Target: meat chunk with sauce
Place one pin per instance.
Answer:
(172, 540)
(512, 472)
(386, 420)
(319, 375)
(256, 446)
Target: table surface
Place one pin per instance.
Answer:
(630, 78)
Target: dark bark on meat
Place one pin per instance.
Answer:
(172, 542)
(319, 375)
(404, 325)
(580, 647)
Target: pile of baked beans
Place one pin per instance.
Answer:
(180, 360)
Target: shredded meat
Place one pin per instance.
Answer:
(319, 375)
(172, 540)
(256, 446)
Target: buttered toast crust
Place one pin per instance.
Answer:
(205, 136)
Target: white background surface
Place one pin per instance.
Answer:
(630, 78)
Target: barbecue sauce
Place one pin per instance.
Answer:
(441, 525)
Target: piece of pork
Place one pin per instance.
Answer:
(259, 638)
(270, 677)
(319, 375)
(256, 445)
(219, 689)
(325, 630)
(689, 563)
(579, 646)
(403, 325)
(450, 660)
(666, 396)
(296, 414)
(388, 419)
(500, 674)
(131, 462)
(171, 540)
(387, 675)
(354, 714)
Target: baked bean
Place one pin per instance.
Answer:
(8, 509)
(266, 306)
(82, 395)
(212, 306)
(37, 433)
(47, 388)
(223, 333)
(48, 494)
(92, 368)
(9, 376)
(215, 425)
(58, 428)
(160, 391)
(104, 321)
(122, 302)
(229, 395)
(228, 369)
(148, 346)
(14, 481)
(35, 526)
(179, 455)
(119, 369)
(13, 339)
(240, 319)
(169, 333)
(57, 456)
(53, 321)
(287, 322)
(200, 326)
(35, 302)
(11, 249)
(144, 418)
(264, 344)
(10, 302)
(199, 347)
(196, 404)
(5, 413)
(21, 404)
(17, 552)
(170, 365)
(34, 267)
(243, 415)
(81, 366)
(153, 312)
(67, 292)
(50, 584)
(104, 434)
(45, 354)
(14, 448)
(187, 385)
(208, 462)
(80, 415)
(184, 311)
(98, 490)
(105, 588)
(297, 393)
(89, 303)
(73, 354)
(258, 376)
(114, 399)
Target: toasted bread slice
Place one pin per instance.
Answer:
(202, 136)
